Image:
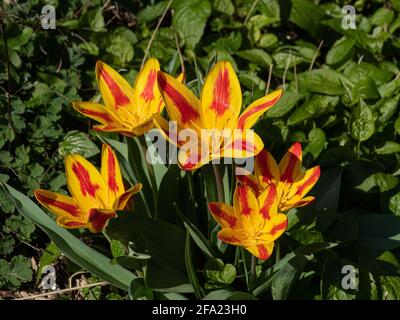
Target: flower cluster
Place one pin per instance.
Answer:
(256, 219)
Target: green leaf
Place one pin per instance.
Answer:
(397, 125)
(314, 107)
(316, 138)
(386, 90)
(310, 21)
(324, 81)
(286, 277)
(382, 17)
(166, 267)
(389, 147)
(50, 255)
(15, 272)
(383, 181)
(394, 204)
(378, 232)
(390, 288)
(72, 247)
(257, 56)
(286, 103)
(341, 51)
(96, 20)
(218, 274)
(190, 19)
(151, 12)
(76, 142)
(190, 269)
(20, 40)
(362, 122)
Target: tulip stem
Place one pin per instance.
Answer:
(253, 274)
(218, 182)
(150, 169)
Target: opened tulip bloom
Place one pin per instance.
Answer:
(292, 182)
(217, 128)
(127, 110)
(253, 222)
(96, 196)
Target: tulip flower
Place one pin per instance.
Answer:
(127, 110)
(220, 130)
(253, 222)
(291, 181)
(96, 196)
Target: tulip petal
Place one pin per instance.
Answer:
(242, 144)
(122, 201)
(97, 112)
(182, 104)
(276, 226)
(70, 223)
(115, 90)
(296, 203)
(230, 236)
(266, 168)
(221, 97)
(98, 218)
(111, 173)
(85, 183)
(253, 112)
(246, 208)
(268, 202)
(310, 178)
(290, 165)
(146, 93)
(110, 128)
(62, 206)
(223, 214)
(165, 129)
(246, 178)
(261, 251)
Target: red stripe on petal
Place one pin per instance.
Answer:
(228, 239)
(312, 180)
(74, 224)
(245, 116)
(279, 227)
(104, 116)
(221, 93)
(98, 218)
(242, 145)
(249, 182)
(294, 158)
(244, 201)
(119, 96)
(72, 209)
(147, 93)
(262, 159)
(215, 209)
(82, 174)
(186, 111)
(268, 203)
(263, 252)
(112, 183)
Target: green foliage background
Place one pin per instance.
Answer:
(341, 101)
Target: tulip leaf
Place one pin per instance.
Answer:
(72, 247)
(166, 267)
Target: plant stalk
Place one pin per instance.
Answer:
(219, 183)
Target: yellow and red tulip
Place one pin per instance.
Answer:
(253, 222)
(127, 110)
(95, 196)
(217, 110)
(291, 181)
